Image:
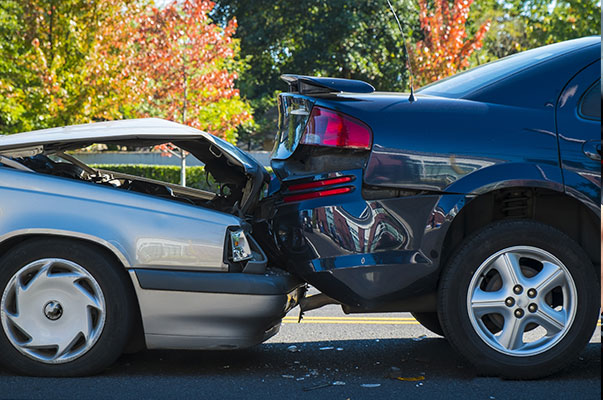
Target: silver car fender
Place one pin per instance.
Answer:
(141, 230)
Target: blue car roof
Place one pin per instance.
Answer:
(565, 54)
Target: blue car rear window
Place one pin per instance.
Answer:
(469, 81)
(590, 105)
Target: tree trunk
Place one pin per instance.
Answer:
(182, 168)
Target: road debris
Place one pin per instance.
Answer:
(394, 372)
(370, 385)
(320, 386)
(293, 349)
(327, 348)
(411, 378)
(419, 338)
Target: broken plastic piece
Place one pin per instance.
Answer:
(411, 378)
(418, 339)
(322, 385)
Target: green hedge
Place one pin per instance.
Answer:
(195, 176)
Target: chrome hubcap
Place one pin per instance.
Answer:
(522, 301)
(52, 311)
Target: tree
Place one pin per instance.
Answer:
(44, 49)
(445, 48)
(182, 67)
(76, 61)
(519, 25)
(174, 63)
(550, 22)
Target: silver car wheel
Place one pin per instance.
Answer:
(53, 311)
(522, 301)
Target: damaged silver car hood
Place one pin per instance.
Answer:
(133, 130)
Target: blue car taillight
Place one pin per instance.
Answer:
(334, 129)
(325, 186)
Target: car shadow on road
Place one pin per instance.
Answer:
(361, 359)
(327, 361)
(360, 369)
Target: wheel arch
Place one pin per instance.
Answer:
(11, 239)
(136, 341)
(548, 206)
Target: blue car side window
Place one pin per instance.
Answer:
(590, 105)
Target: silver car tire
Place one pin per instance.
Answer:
(65, 308)
(518, 300)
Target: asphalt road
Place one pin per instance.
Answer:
(334, 357)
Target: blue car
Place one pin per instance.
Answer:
(474, 204)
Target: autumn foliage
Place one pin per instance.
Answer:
(45, 48)
(445, 48)
(174, 63)
(66, 62)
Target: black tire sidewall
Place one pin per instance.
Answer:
(116, 292)
(429, 321)
(452, 304)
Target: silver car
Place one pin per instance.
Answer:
(93, 262)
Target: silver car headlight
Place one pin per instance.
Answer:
(239, 245)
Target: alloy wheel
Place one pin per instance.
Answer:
(531, 292)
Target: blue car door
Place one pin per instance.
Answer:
(578, 128)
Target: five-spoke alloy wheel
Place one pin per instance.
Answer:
(518, 299)
(521, 301)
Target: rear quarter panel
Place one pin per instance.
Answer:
(143, 231)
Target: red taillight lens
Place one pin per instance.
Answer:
(315, 195)
(319, 184)
(333, 129)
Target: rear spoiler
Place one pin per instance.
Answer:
(313, 85)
